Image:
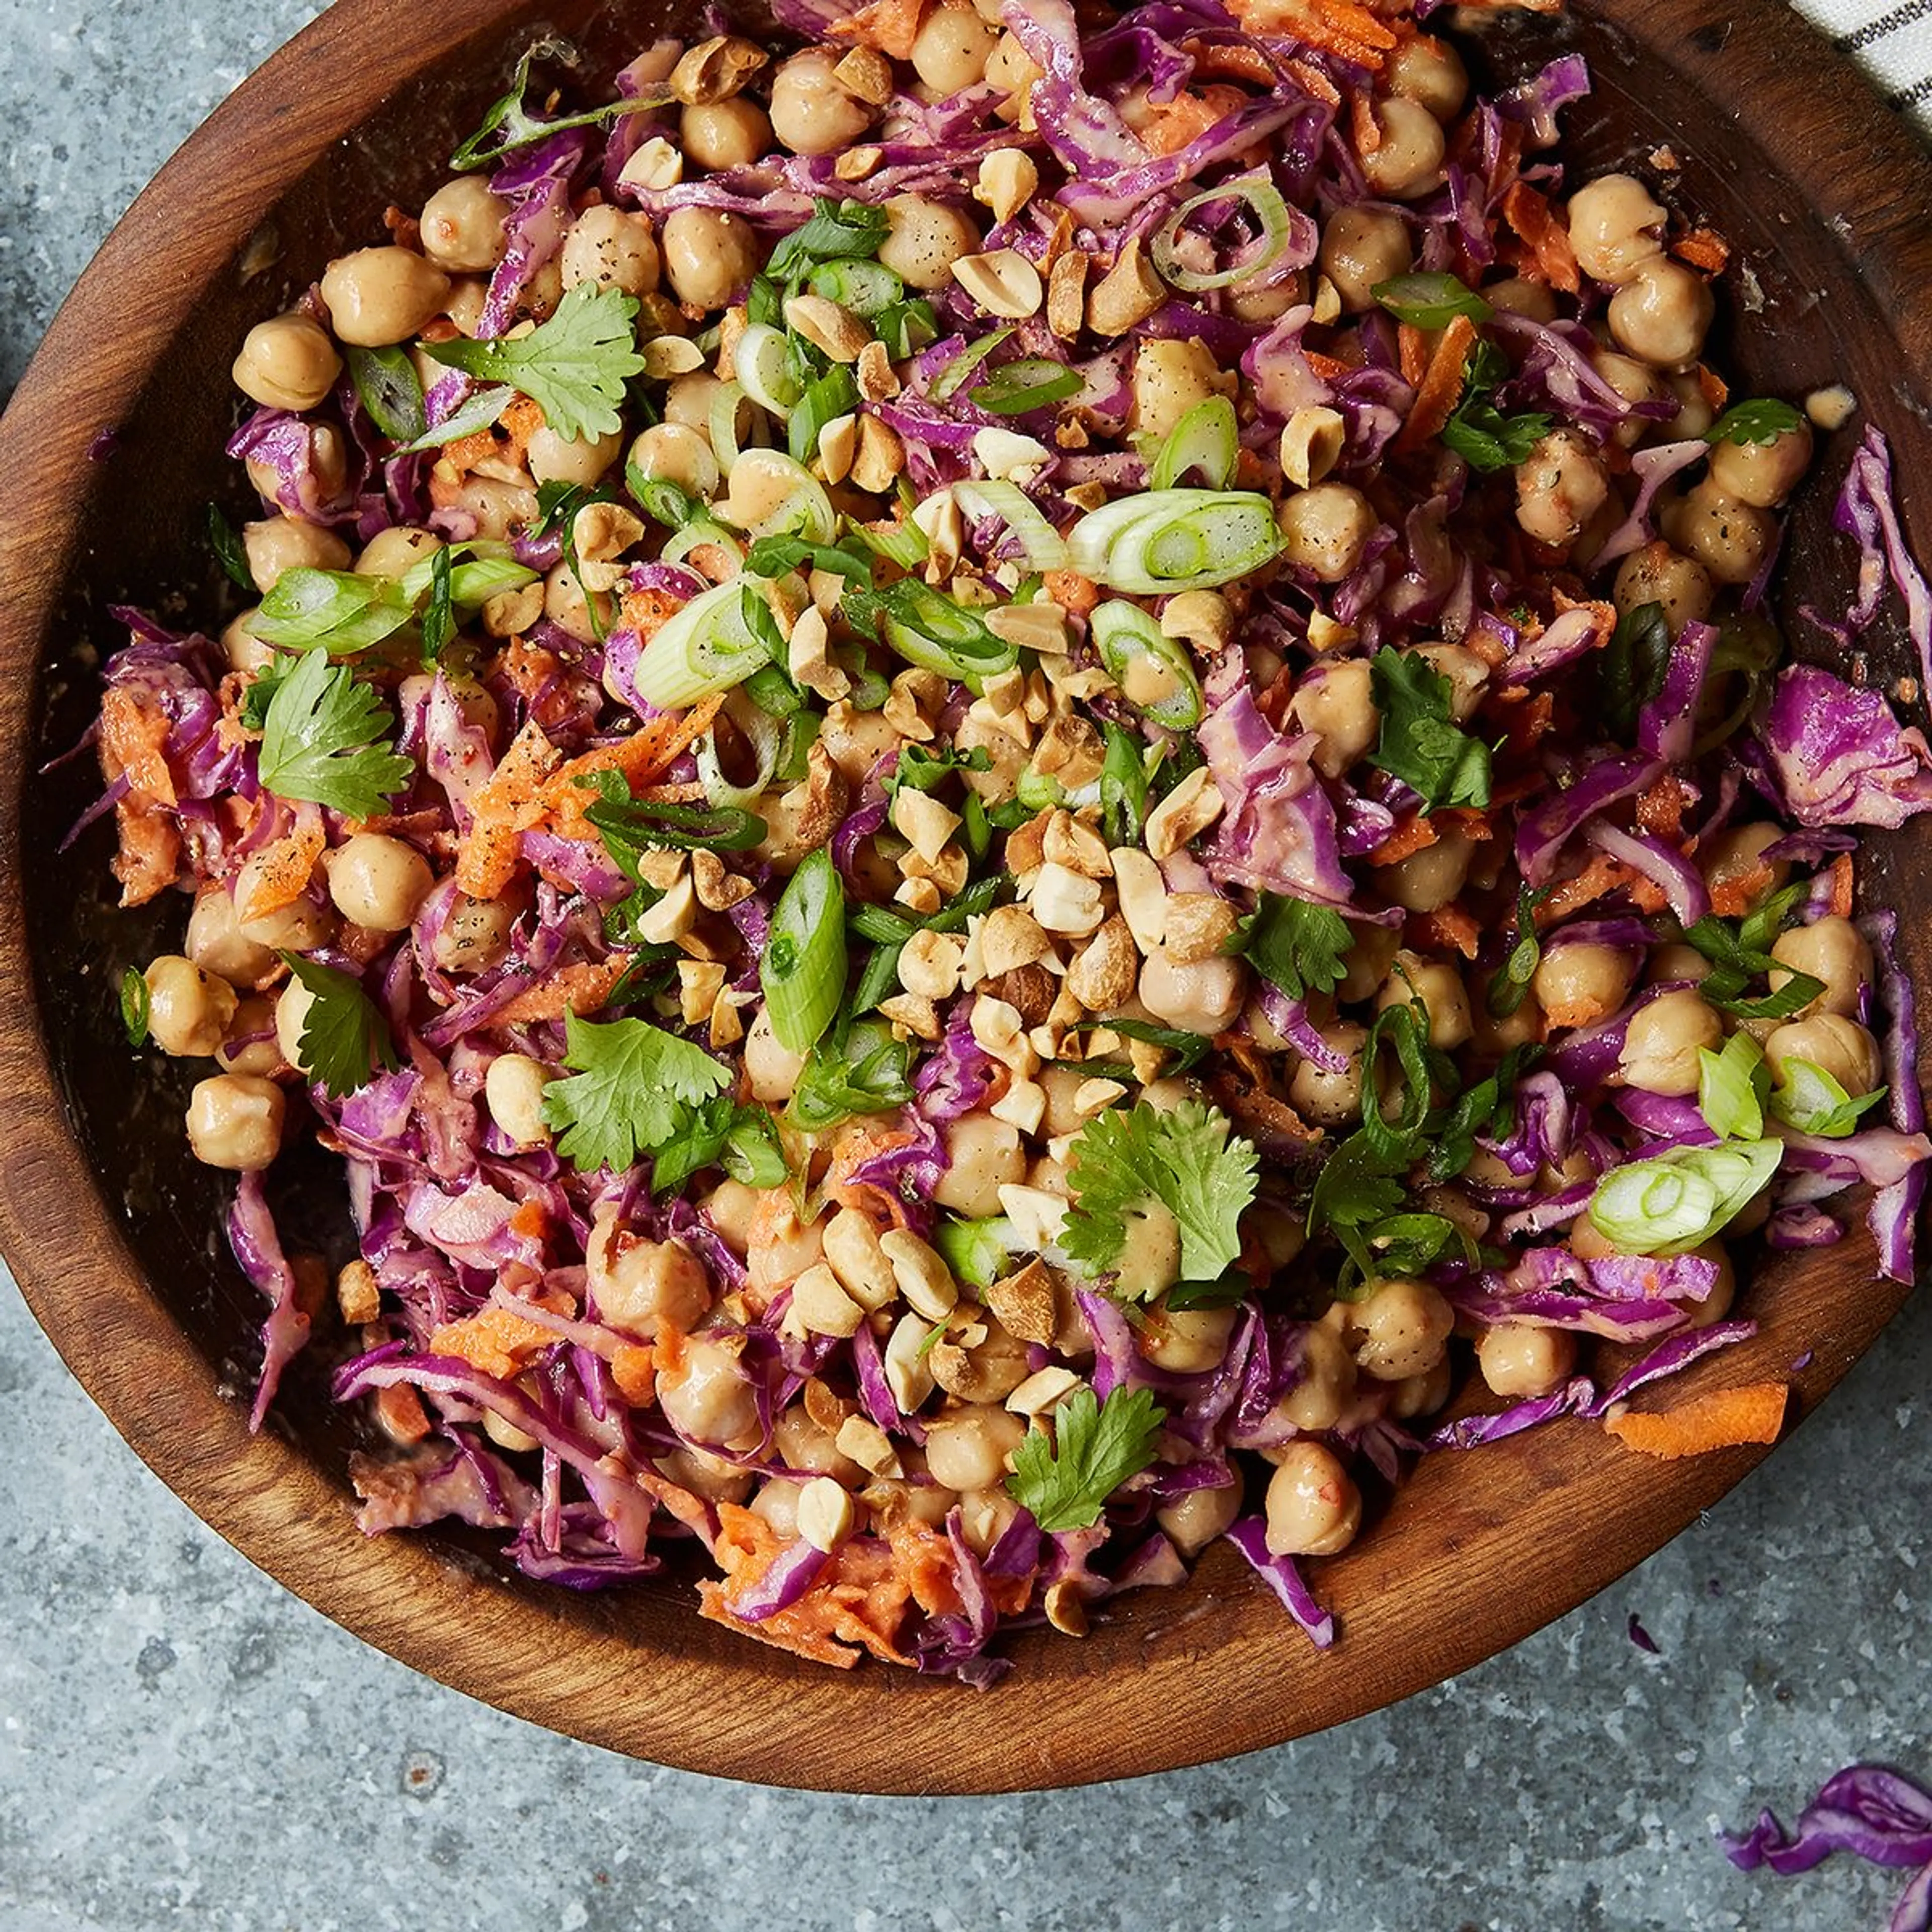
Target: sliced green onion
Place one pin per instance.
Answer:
(762, 364)
(695, 535)
(389, 389)
(902, 544)
(1271, 211)
(977, 1252)
(134, 1003)
(1206, 441)
(866, 288)
(727, 403)
(1152, 669)
(640, 822)
(1426, 300)
(963, 365)
(796, 501)
(836, 394)
(803, 970)
(477, 413)
(930, 630)
(707, 646)
(1174, 540)
(1033, 383)
(1667, 1205)
(766, 735)
(1811, 1100)
(1042, 546)
(1732, 1088)
(668, 503)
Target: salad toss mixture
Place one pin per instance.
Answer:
(991, 774)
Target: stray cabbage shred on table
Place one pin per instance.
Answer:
(984, 771)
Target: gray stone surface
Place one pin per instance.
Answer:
(182, 1744)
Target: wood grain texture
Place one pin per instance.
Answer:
(110, 1228)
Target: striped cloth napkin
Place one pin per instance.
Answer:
(1892, 40)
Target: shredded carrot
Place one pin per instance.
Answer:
(150, 854)
(1839, 875)
(1329, 367)
(1364, 130)
(581, 988)
(1703, 248)
(1602, 874)
(488, 858)
(531, 1221)
(1184, 119)
(1338, 27)
(855, 1146)
(134, 734)
(1712, 387)
(634, 1369)
(517, 423)
(495, 1339)
(400, 1414)
(890, 25)
(652, 748)
(1548, 241)
(1733, 898)
(1074, 594)
(1660, 809)
(1447, 926)
(1312, 80)
(1412, 353)
(1719, 1419)
(1440, 387)
(645, 612)
(283, 868)
(1237, 60)
(1409, 837)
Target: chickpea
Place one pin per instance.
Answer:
(610, 248)
(812, 112)
(513, 1090)
(1515, 296)
(642, 1286)
(250, 1046)
(1430, 71)
(1468, 676)
(1205, 997)
(1325, 530)
(1737, 856)
(709, 1399)
(1717, 1304)
(1588, 1243)
(709, 254)
(1662, 1040)
(967, 1448)
(1369, 960)
(1832, 950)
(1361, 247)
(673, 453)
(216, 942)
(1831, 1042)
(729, 1207)
(1426, 881)
(1195, 1517)
(772, 1070)
(803, 1444)
(857, 740)
(1401, 1328)
(287, 362)
(721, 134)
(1696, 412)
(1331, 1100)
(1493, 1037)
(378, 296)
(1636, 383)
(983, 1155)
(985, 1516)
(300, 926)
(1011, 67)
(240, 645)
(1440, 988)
(291, 1010)
(278, 544)
(475, 935)
(562, 459)
(234, 1121)
(924, 239)
(392, 552)
(1187, 1341)
(1560, 487)
(1676, 962)
(463, 226)
(1314, 1508)
(1326, 1387)
(1578, 982)
(716, 1478)
(1615, 228)
(188, 1009)
(1336, 702)
(1170, 378)
(1409, 162)
(378, 882)
(1658, 574)
(777, 1498)
(500, 508)
(951, 48)
(574, 612)
(1519, 1360)
(1763, 474)
(689, 400)
(1662, 313)
(1730, 539)
(782, 1245)
(1420, 1395)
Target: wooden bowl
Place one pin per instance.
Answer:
(112, 1230)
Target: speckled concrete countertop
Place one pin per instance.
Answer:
(182, 1744)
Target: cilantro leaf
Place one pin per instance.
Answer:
(1762, 419)
(921, 770)
(324, 740)
(1297, 945)
(574, 367)
(1184, 1161)
(632, 1091)
(1419, 744)
(1480, 432)
(1097, 1446)
(228, 551)
(344, 1035)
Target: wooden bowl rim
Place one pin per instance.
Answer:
(750, 1716)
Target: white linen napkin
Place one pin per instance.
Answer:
(1892, 40)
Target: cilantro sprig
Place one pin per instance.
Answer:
(1419, 743)
(324, 741)
(345, 1038)
(632, 1090)
(1761, 419)
(1186, 1161)
(574, 367)
(514, 126)
(1295, 944)
(1484, 437)
(1096, 1446)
